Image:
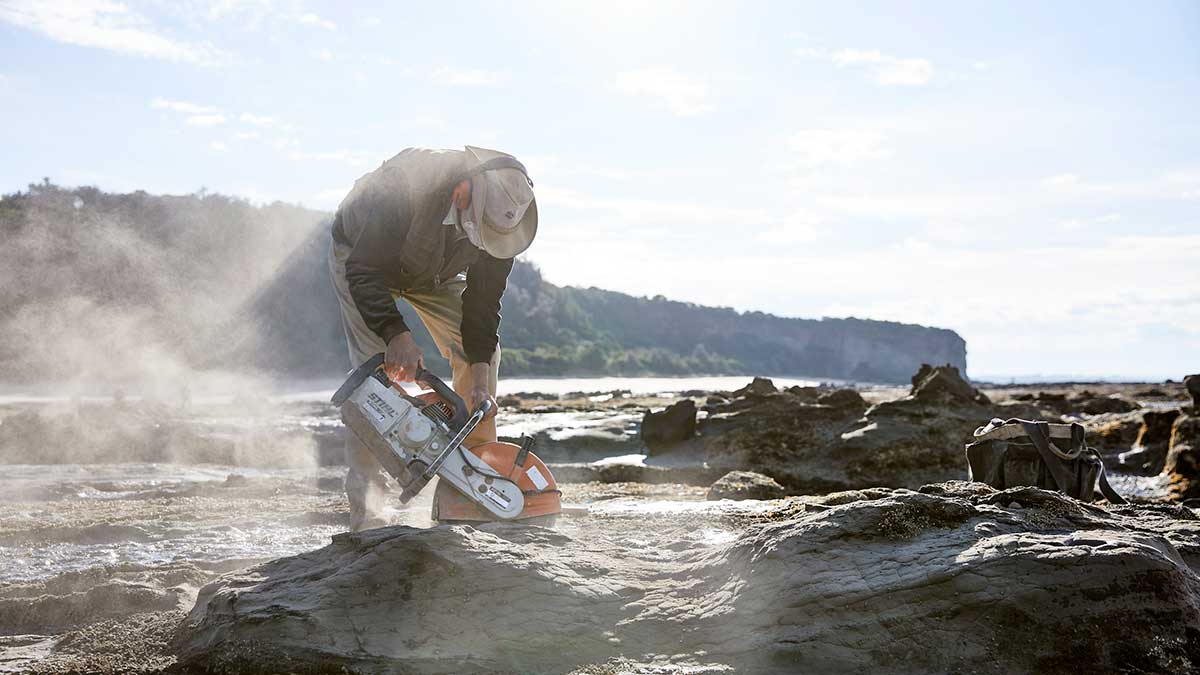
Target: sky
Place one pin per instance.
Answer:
(1025, 173)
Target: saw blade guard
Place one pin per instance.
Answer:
(543, 499)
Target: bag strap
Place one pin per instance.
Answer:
(1053, 458)
(1105, 489)
(1039, 433)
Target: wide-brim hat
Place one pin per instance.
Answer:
(503, 206)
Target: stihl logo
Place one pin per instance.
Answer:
(380, 406)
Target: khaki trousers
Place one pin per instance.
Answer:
(440, 309)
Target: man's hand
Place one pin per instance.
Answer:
(403, 358)
(480, 372)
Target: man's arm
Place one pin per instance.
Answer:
(486, 280)
(379, 219)
(370, 257)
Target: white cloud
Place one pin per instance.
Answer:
(1183, 184)
(257, 120)
(206, 120)
(792, 231)
(642, 213)
(329, 199)
(324, 54)
(469, 77)
(310, 19)
(246, 136)
(888, 70)
(103, 24)
(1177, 184)
(838, 147)
(182, 107)
(218, 146)
(372, 21)
(667, 89)
(248, 13)
(1062, 180)
(351, 157)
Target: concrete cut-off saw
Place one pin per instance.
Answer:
(418, 437)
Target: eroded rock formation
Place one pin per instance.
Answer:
(954, 578)
(745, 485)
(820, 439)
(1183, 459)
(674, 425)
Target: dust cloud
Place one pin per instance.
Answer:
(129, 310)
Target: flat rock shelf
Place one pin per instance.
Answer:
(954, 577)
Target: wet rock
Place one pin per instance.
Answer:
(1152, 443)
(1192, 384)
(671, 426)
(78, 598)
(714, 400)
(956, 578)
(331, 484)
(1048, 399)
(834, 442)
(1115, 433)
(619, 472)
(846, 399)
(944, 383)
(759, 386)
(1090, 404)
(509, 401)
(536, 396)
(745, 485)
(1183, 459)
(807, 394)
(130, 645)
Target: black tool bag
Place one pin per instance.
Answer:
(1009, 453)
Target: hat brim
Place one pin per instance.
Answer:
(505, 245)
(497, 243)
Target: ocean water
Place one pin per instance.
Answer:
(638, 386)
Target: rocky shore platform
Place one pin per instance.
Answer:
(761, 530)
(955, 577)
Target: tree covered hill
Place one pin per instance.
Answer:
(203, 281)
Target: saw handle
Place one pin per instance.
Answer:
(442, 389)
(373, 367)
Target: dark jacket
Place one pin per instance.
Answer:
(393, 221)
